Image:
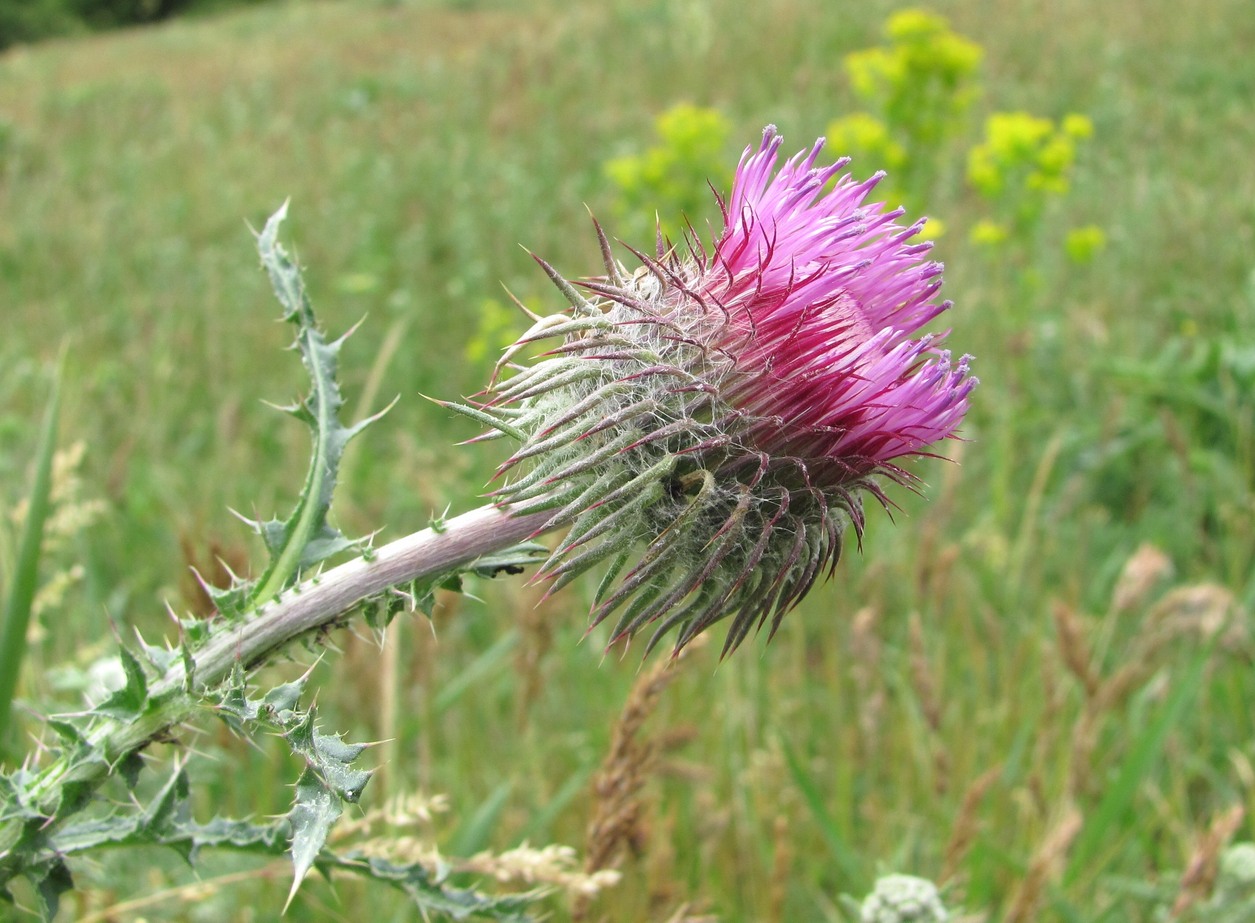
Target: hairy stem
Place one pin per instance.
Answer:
(316, 604)
(320, 601)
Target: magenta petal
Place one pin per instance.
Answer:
(824, 293)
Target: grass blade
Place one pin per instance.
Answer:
(21, 595)
(846, 858)
(1141, 761)
(476, 833)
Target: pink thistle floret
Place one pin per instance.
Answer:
(824, 294)
(708, 424)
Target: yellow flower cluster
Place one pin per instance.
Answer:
(1024, 161)
(868, 137)
(923, 80)
(917, 88)
(1027, 148)
(674, 172)
(916, 91)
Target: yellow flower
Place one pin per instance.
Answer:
(987, 233)
(1083, 244)
(866, 138)
(1077, 126)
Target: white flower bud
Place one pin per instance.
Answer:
(903, 898)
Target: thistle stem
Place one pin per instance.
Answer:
(319, 603)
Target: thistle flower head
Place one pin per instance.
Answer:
(709, 423)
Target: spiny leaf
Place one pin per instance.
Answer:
(305, 538)
(317, 807)
(231, 701)
(127, 703)
(431, 895)
(328, 756)
(336, 754)
(159, 657)
(230, 601)
(328, 779)
(196, 632)
(166, 821)
(129, 767)
(421, 594)
(28, 856)
(68, 730)
(54, 881)
(510, 561)
(169, 808)
(13, 803)
(268, 839)
(285, 697)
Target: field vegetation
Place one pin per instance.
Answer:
(1034, 685)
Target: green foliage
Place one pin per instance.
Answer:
(32, 20)
(922, 82)
(843, 854)
(23, 575)
(868, 137)
(1232, 899)
(428, 160)
(672, 179)
(1022, 163)
(1111, 812)
(50, 815)
(1178, 454)
(304, 539)
(919, 89)
(1083, 244)
(496, 330)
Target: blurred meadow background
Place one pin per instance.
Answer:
(1034, 685)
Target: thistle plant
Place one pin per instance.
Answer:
(727, 408)
(706, 426)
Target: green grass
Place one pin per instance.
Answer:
(420, 145)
